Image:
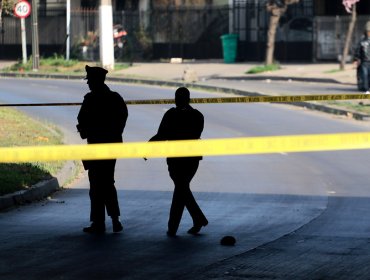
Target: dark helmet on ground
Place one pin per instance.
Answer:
(228, 240)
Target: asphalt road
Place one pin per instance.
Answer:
(295, 216)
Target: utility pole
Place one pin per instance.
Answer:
(35, 38)
(106, 34)
(24, 41)
(68, 29)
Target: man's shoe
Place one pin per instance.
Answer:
(117, 225)
(197, 227)
(171, 233)
(95, 228)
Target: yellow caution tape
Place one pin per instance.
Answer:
(241, 99)
(212, 147)
(287, 98)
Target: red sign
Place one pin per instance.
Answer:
(22, 9)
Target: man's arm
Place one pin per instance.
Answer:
(82, 119)
(357, 55)
(163, 130)
(199, 125)
(123, 115)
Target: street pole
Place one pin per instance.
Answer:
(231, 16)
(35, 38)
(68, 42)
(106, 34)
(24, 41)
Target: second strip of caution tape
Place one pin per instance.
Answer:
(184, 148)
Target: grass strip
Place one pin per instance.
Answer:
(263, 68)
(58, 64)
(18, 129)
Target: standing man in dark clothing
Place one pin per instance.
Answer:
(182, 123)
(101, 119)
(362, 58)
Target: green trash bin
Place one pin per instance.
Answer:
(229, 47)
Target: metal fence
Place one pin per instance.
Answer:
(159, 33)
(189, 33)
(330, 35)
(251, 20)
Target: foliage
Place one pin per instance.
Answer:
(58, 64)
(20, 67)
(51, 64)
(121, 66)
(145, 43)
(263, 68)
(58, 60)
(355, 106)
(278, 7)
(91, 39)
(333, 71)
(348, 4)
(7, 6)
(15, 177)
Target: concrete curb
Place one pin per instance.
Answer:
(283, 78)
(156, 82)
(40, 190)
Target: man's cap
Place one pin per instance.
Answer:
(367, 26)
(95, 73)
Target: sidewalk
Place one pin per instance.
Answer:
(217, 69)
(211, 69)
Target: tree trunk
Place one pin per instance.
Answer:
(270, 48)
(1, 13)
(348, 38)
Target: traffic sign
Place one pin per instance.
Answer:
(22, 9)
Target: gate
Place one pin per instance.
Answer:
(330, 35)
(294, 33)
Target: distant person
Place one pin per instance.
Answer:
(362, 58)
(182, 123)
(102, 119)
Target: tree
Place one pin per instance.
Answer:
(276, 8)
(6, 6)
(348, 4)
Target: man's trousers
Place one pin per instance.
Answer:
(182, 171)
(103, 193)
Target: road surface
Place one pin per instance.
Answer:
(308, 209)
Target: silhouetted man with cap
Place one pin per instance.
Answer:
(102, 119)
(182, 123)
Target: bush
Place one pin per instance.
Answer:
(263, 68)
